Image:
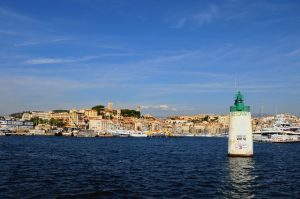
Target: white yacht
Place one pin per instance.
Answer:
(276, 136)
(280, 132)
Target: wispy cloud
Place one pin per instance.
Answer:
(181, 22)
(11, 33)
(10, 14)
(42, 60)
(33, 83)
(200, 74)
(32, 43)
(206, 16)
(163, 107)
(295, 52)
(46, 60)
(167, 90)
(200, 18)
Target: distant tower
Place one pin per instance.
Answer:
(110, 106)
(240, 141)
(138, 108)
(119, 114)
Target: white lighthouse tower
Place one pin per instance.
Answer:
(240, 141)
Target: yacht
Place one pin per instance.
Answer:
(279, 132)
(277, 136)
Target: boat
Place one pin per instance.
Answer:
(279, 132)
(159, 134)
(138, 134)
(276, 136)
(120, 133)
(285, 138)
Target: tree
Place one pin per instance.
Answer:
(130, 113)
(98, 108)
(35, 121)
(56, 122)
(60, 111)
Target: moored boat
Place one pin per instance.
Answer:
(138, 134)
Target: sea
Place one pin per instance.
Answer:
(195, 167)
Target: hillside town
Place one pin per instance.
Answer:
(107, 121)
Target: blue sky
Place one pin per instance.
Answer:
(170, 57)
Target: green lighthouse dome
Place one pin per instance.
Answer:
(239, 104)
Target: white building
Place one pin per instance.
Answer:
(15, 125)
(42, 115)
(224, 120)
(101, 125)
(26, 116)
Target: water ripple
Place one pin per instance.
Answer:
(62, 167)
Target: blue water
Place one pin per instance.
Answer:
(68, 167)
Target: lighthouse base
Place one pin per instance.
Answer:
(240, 155)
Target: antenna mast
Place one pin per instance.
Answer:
(235, 85)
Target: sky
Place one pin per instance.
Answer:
(170, 57)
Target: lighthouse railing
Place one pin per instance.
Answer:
(234, 108)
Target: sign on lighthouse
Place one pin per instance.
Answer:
(240, 141)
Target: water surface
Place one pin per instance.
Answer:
(68, 167)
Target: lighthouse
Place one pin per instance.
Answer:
(240, 141)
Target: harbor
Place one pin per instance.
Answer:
(110, 122)
(128, 99)
(279, 131)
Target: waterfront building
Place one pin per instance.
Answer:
(15, 125)
(240, 141)
(128, 123)
(42, 115)
(89, 113)
(186, 127)
(119, 116)
(155, 126)
(148, 116)
(176, 121)
(101, 125)
(267, 119)
(198, 129)
(138, 125)
(167, 127)
(64, 116)
(224, 120)
(195, 117)
(74, 118)
(45, 127)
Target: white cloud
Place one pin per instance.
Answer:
(31, 43)
(46, 60)
(180, 22)
(9, 14)
(206, 16)
(203, 17)
(11, 33)
(163, 107)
